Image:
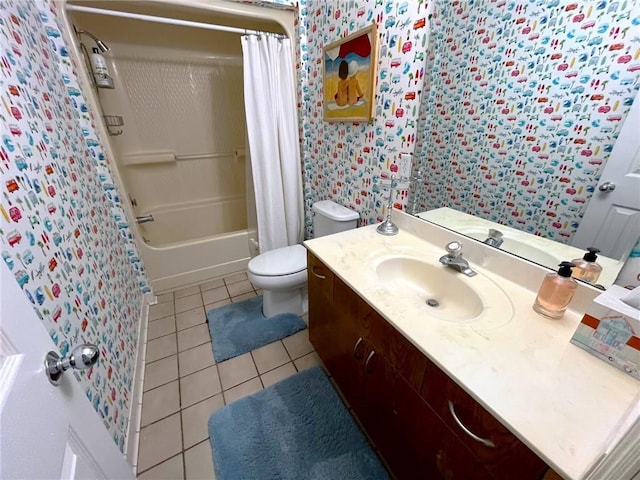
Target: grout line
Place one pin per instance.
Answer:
(165, 460)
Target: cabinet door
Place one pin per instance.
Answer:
(405, 359)
(320, 283)
(492, 444)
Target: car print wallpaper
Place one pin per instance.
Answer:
(519, 95)
(525, 103)
(63, 232)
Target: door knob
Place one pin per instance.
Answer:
(607, 187)
(80, 358)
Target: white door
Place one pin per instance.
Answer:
(612, 219)
(47, 432)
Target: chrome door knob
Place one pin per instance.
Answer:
(80, 358)
(607, 187)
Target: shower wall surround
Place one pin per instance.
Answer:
(63, 232)
(522, 93)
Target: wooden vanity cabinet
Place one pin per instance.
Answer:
(401, 398)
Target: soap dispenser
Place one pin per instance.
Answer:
(586, 268)
(556, 292)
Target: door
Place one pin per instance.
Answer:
(48, 432)
(612, 219)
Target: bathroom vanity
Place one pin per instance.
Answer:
(478, 386)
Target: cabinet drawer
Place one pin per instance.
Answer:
(492, 444)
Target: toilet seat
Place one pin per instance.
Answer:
(279, 262)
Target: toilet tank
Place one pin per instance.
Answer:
(329, 217)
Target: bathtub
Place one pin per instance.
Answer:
(193, 242)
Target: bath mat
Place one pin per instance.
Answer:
(240, 327)
(296, 429)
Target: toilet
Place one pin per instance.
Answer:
(282, 273)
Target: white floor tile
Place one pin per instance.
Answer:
(172, 469)
(160, 310)
(195, 359)
(195, 420)
(187, 303)
(190, 318)
(160, 372)
(199, 386)
(310, 360)
(280, 373)
(237, 370)
(198, 462)
(161, 327)
(270, 356)
(160, 402)
(215, 295)
(192, 337)
(298, 344)
(159, 441)
(161, 347)
(243, 390)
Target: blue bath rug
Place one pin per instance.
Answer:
(238, 328)
(296, 429)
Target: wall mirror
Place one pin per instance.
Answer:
(528, 125)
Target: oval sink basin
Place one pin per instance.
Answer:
(445, 293)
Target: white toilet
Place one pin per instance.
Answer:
(282, 273)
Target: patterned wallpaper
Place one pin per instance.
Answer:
(63, 232)
(528, 95)
(349, 162)
(526, 100)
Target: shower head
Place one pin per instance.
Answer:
(101, 45)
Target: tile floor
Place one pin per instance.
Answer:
(183, 385)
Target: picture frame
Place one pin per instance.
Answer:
(349, 77)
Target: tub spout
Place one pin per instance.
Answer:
(145, 219)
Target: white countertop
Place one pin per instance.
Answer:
(562, 402)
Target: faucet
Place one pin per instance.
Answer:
(145, 219)
(495, 238)
(454, 259)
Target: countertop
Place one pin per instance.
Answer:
(564, 403)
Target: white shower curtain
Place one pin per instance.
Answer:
(272, 128)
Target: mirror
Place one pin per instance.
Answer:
(521, 112)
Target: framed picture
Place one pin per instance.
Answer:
(349, 77)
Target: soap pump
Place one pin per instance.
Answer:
(586, 268)
(556, 292)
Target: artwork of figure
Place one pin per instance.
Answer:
(349, 77)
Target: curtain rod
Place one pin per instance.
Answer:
(170, 21)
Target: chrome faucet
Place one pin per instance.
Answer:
(454, 259)
(145, 219)
(495, 238)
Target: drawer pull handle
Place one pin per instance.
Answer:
(355, 349)
(366, 364)
(484, 441)
(313, 270)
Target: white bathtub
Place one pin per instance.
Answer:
(194, 242)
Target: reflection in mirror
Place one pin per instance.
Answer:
(524, 116)
(537, 249)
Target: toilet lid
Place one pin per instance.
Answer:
(282, 261)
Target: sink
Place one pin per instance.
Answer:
(443, 293)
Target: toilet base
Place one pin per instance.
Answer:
(282, 301)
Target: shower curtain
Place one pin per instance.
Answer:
(272, 127)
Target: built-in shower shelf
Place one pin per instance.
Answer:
(113, 124)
